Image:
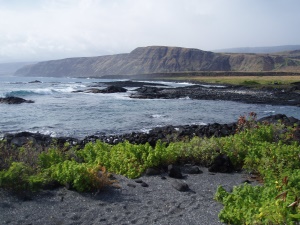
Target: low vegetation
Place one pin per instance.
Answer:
(273, 155)
(270, 151)
(256, 81)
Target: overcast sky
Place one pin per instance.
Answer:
(36, 30)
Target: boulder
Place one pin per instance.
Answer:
(222, 164)
(20, 141)
(14, 100)
(174, 172)
(143, 184)
(152, 171)
(148, 93)
(190, 169)
(92, 90)
(180, 185)
(22, 138)
(131, 185)
(35, 81)
(139, 181)
(113, 89)
(109, 89)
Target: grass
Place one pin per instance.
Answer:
(241, 80)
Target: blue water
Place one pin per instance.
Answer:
(60, 112)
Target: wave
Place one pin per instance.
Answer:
(22, 93)
(42, 91)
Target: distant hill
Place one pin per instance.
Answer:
(159, 59)
(260, 50)
(7, 69)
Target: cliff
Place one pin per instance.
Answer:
(156, 59)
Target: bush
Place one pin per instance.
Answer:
(268, 150)
(80, 176)
(268, 204)
(31, 173)
(20, 177)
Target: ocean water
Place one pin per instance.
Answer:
(59, 111)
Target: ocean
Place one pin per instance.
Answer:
(58, 111)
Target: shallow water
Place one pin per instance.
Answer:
(59, 112)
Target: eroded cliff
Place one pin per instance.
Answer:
(157, 59)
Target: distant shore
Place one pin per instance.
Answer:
(186, 74)
(250, 92)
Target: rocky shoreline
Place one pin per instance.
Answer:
(151, 90)
(166, 134)
(265, 95)
(272, 96)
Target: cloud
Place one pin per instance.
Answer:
(49, 29)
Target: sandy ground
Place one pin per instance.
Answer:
(159, 203)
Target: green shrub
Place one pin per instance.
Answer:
(270, 151)
(80, 176)
(268, 204)
(49, 158)
(132, 160)
(20, 176)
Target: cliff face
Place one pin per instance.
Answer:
(155, 59)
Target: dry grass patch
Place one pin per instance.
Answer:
(242, 80)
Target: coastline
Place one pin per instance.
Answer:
(287, 96)
(166, 134)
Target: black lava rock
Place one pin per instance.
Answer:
(14, 100)
(222, 164)
(180, 185)
(190, 169)
(152, 171)
(174, 171)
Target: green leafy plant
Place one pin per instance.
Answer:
(270, 151)
(80, 176)
(19, 177)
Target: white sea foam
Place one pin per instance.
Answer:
(269, 111)
(185, 98)
(64, 90)
(212, 86)
(157, 116)
(145, 130)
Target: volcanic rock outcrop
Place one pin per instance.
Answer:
(14, 100)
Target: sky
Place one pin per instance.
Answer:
(38, 30)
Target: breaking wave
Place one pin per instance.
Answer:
(43, 91)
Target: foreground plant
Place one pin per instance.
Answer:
(270, 152)
(53, 166)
